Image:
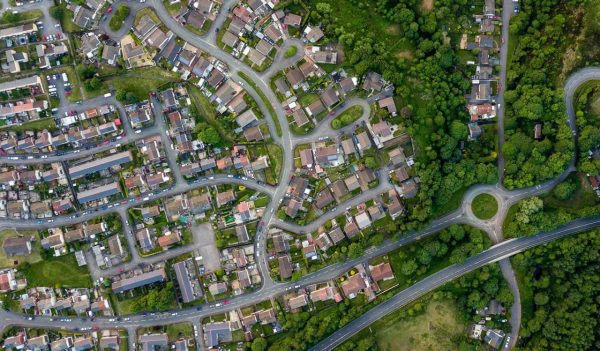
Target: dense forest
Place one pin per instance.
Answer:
(562, 282)
(551, 39)
(408, 45)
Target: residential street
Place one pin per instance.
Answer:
(499, 252)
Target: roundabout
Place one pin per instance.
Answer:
(484, 206)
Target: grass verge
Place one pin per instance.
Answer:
(484, 206)
(57, 271)
(265, 100)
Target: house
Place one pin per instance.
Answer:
(17, 245)
(293, 207)
(306, 158)
(285, 266)
(228, 91)
(298, 187)
(273, 33)
(382, 271)
(256, 57)
(38, 342)
(292, 19)
(326, 154)
(230, 39)
(339, 189)
(53, 241)
(246, 119)
(115, 246)
(154, 342)
(295, 77)
(351, 229)
(200, 203)
(253, 134)
(323, 294)
(348, 146)
(84, 169)
(363, 141)
(215, 333)
(238, 104)
(365, 177)
(8, 281)
(401, 174)
(83, 343)
(283, 87)
(373, 82)
(126, 284)
(144, 238)
(225, 197)
(62, 344)
(188, 293)
(362, 220)
(196, 19)
(15, 342)
(300, 117)
(348, 84)
(280, 244)
(313, 33)
(353, 285)
(323, 242)
(475, 131)
(494, 337)
(328, 57)
(169, 239)
(110, 54)
(315, 108)
(264, 47)
(98, 193)
(397, 157)
(109, 342)
(336, 235)
(389, 104)
(217, 288)
(90, 44)
(298, 301)
(308, 68)
(83, 17)
(323, 198)
(409, 188)
(330, 97)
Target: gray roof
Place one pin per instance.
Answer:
(84, 169)
(153, 342)
(155, 276)
(216, 333)
(183, 279)
(98, 193)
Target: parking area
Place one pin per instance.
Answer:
(204, 236)
(59, 87)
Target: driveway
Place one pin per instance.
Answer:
(204, 237)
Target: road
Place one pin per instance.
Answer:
(496, 253)
(493, 254)
(464, 215)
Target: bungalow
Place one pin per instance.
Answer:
(154, 342)
(215, 333)
(351, 229)
(300, 117)
(323, 294)
(330, 97)
(315, 108)
(217, 288)
(264, 47)
(295, 77)
(306, 158)
(382, 271)
(323, 242)
(313, 34)
(339, 189)
(292, 19)
(230, 39)
(298, 301)
(348, 84)
(323, 198)
(354, 285)
(326, 154)
(273, 33)
(336, 235)
(363, 141)
(144, 238)
(280, 243)
(17, 245)
(373, 82)
(285, 266)
(348, 146)
(246, 119)
(283, 87)
(253, 134)
(293, 207)
(388, 103)
(224, 198)
(256, 57)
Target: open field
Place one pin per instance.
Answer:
(38, 125)
(438, 328)
(62, 271)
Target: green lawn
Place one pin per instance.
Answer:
(118, 18)
(276, 159)
(175, 8)
(179, 330)
(484, 206)
(55, 271)
(6, 262)
(265, 100)
(38, 125)
(347, 117)
(290, 52)
(9, 19)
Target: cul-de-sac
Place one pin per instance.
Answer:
(253, 175)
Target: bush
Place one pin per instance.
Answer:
(119, 17)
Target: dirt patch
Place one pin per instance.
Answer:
(407, 54)
(427, 5)
(393, 29)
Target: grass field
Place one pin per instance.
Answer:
(438, 328)
(207, 110)
(39, 125)
(484, 206)
(30, 15)
(276, 159)
(54, 271)
(10, 261)
(142, 81)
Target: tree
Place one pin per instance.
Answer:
(564, 190)
(58, 12)
(409, 267)
(259, 344)
(355, 250)
(541, 299)
(210, 135)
